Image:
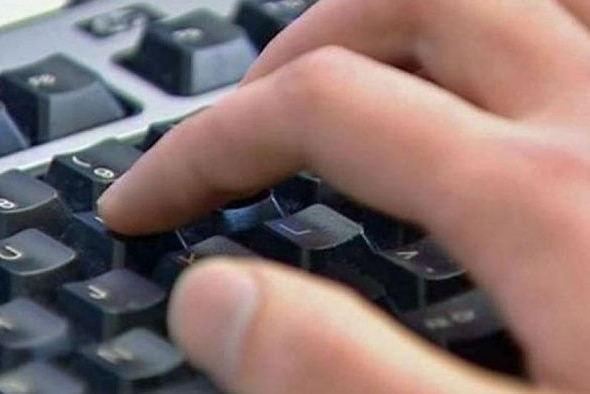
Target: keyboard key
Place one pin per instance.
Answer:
(26, 202)
(308, 238)
(245, 214)
(11, 139)
(468, 326)
(192, 54)
(101, 249)
(307, 189)
(120, 20)
(81, 177)
(114, 302)
(171, 265)
(56, 97)
(29, 331)
(435, 274)
(33, 265)
(133, 360)
(264, 19)
(40, 378)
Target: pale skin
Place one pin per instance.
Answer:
(490, 153)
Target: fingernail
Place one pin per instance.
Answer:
(212, 307)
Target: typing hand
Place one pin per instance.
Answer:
(491, 153)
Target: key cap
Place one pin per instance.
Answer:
(114, 302)
(29, 331)
(435, 275)
(120, 20)
(157, 131)
(306, 189)
(173, 264)
(56, 97)
(308, 238)
(40, 378)
(247, 213)
(101, 250)
(131, 361)
(81, 177)
(468, 326)
(11, 139)
(264, 19)
(33, 265)
(192, 54)
(26, 202)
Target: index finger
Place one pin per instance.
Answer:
(359, 124)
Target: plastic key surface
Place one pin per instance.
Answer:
(40, 378)
(33, 265)
(11, 139)
(56, 97)
(29, 331)
(83, 176)
(138, 358)
(114, 302)
(26, 202)
(192, 54)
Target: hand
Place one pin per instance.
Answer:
(491, 154)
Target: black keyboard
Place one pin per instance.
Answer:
(83, 94)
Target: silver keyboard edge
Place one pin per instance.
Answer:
(157, 105)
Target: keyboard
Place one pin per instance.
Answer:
(84, 92)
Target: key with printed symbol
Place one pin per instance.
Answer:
(114, 302)
(306, 189)
(56, 97)
(40, 377)
(131, 361)
(120, 20)
(26, 202)
(30, 331)
(264, 19)
(33, 265)
(173, 264)
(469, 326)
(192, 54)
(101, 250)
(435, 274)
(11, 139)
(81, 177)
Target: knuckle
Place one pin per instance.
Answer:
(317, 77)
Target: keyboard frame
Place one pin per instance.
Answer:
(61, 33)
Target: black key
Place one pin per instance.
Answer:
(192, 54)
(29, 331)
(134, 360)
(159, 129)
(264, 19)
(245, 214)
(56, 97)
(114, 302)
(40, 378)
(468, 326)
(309, 238)
(172, 264)
(81, 177)
(26, 202)
(101, 249)
(11, 139)
(435, 274)
(120, 20)
(307, 189)
(33, 265)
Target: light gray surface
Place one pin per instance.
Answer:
(60, 34)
